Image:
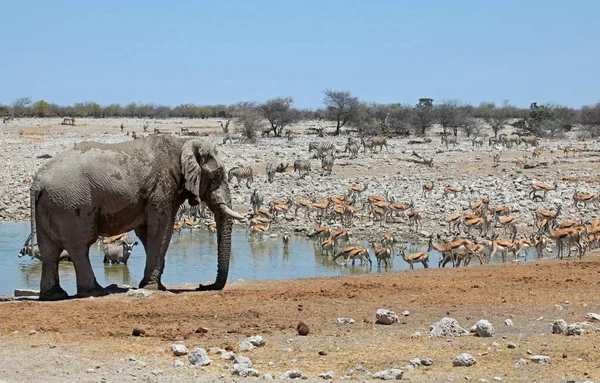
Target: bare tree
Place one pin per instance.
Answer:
(251, 121)
(342, 107)
(470, 126)
(590, 119)
(496, 118)
(393, 118)
(423, 115)
(21, 106)
(278, 111)
(448, 115)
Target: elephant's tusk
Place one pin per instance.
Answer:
(226, 210)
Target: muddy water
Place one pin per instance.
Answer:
(191, 258)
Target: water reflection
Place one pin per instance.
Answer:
(192, 257)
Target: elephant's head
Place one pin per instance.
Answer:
(205, 177)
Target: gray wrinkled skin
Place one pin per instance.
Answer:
(97, 189)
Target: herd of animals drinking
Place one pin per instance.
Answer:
(337, 215)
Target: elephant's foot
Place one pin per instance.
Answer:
(152, 285)
(96, 291)
(54, 294)
(211, 287)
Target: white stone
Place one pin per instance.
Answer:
(198, 357)
(345, 320)
(446, 327)
(385, 316)
(540, 359)
(178, 363)
(464, 360)
(291, 374)
(391, 374)
(179, 349)
(483, 328)
(508, 322)
(138, 293)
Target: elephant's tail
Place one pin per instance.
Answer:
(32, 200)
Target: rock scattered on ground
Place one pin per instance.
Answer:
(198, 357)
(391, 374)
(559, 326)
(385, 316)
(179, 349)
(292, 374)
(540, 359)
(464, 360)
(447, 327)
(574, 329)
(345, 320)
(302, 329)
(251, 343)
(484, 329)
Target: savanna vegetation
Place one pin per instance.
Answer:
(343, 111)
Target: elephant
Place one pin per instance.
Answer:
(97, 189)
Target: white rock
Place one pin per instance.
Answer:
(464, 360)
(291, 374)
(391, 374)
(251, 343)
(198, 357)
(540, 359)
(345, 320)
(405, 313)
(327, 375)
(508, 322)
(178, 363)
(385, 316)
(427, 362)
(179, 349)
(446, 327)
(520, 362)
(588, 316)
(243, 361)
(227, 355)
(559, 326)
(483, 328)
(574, 329)
(415, 335)
(138, 293)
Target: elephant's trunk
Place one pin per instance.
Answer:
(220, 206)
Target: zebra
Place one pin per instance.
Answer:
(477, 142)
(271, 170)
(352, 148)
(450, 140)
(327, 164)
(322, 148)
(372, 142)
(193, 212)
(240, 173)
(256, 200)
(302, 167)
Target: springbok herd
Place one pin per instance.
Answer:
(484, 229)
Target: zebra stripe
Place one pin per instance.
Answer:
(302, 167)
(322, 147)
(240, 173)
(193, 212)
(256, 200)
(327, 163)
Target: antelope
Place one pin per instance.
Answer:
(339, 209)
(426, 189)
(543, 188)
(421, 256)
(328, 246)
(547, 214)
(338, 234)
(579, 149)
(351, 211)
(451, 189)
(522, 244)
(355, 190)
(302, 204)
(177, 226)
(539, 243)
(286, 239)
(118, 237)
(264, 213)
(354, 252)
(500, 210)
(536, 153)
(453, 219)
(414, 221)
(481, 223)
(388, 241)
(585, 198)
(449, 248)
(280, 208)
(382, 254)
(260, 229)
(510, 221)
(564, 236)
(520, 162)
(378, 213)
(396, 208)
(497, 157)
(566, 150)
(259, 221)
(320, 232)
(319, 207)
(502, 246)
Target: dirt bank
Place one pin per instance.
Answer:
(90, 339)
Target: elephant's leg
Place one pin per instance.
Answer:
(50, 289)
(156, 240)
(87, 286)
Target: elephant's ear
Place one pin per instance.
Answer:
(191, 161)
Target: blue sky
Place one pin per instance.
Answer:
(211, 52)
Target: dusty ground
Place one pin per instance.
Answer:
(90, 339)
(75, 336)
